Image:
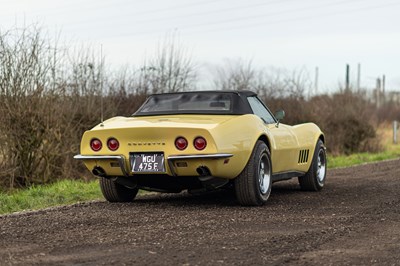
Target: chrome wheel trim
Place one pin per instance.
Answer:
(264, 175)
(321, 167)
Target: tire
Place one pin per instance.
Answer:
(314, 179)
(114, 192)
(253, 185)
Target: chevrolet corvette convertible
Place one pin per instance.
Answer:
(200, 141)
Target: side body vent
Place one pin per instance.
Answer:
(303, 156)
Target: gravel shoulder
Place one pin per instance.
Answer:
(354, 220)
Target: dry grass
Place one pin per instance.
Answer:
(385, 134)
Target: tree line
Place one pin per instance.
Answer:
(49, 95)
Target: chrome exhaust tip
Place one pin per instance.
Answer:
(98, 171)
(203, 171)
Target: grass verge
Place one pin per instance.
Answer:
(360, 158)
(391, 151)
(39, 197)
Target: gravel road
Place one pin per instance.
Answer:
(354, 220)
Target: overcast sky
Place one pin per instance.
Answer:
(290, 34)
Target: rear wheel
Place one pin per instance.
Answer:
(314, 179)
(114, 192)
(253, 185)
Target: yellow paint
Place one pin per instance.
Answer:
(236, 135)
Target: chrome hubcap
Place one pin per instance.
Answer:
(264, 176)
(321, 170)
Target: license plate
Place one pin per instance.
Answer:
(147, 162)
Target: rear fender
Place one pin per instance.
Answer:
(239, 136)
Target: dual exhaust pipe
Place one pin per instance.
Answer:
(202, 171)
(209, 182)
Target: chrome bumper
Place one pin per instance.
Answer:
(170, 159)
(119, 158)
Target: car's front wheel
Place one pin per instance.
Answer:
(114, 192)
(314, 179)
(253, 185)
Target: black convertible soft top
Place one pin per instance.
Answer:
(197, 102)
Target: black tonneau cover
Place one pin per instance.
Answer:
(197, 102)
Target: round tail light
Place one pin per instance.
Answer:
(200, 143)
(112, 144)
(96, 144)
(181, 143)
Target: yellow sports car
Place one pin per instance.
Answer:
(203, 140)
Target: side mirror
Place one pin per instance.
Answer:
(280, 115)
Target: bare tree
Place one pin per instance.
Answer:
(170, 70)
(282, 83)
(240, 74)
(44, 107)
(25, 73)
(236, 74)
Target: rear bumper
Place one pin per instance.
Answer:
(170, 160)
(119, 158)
